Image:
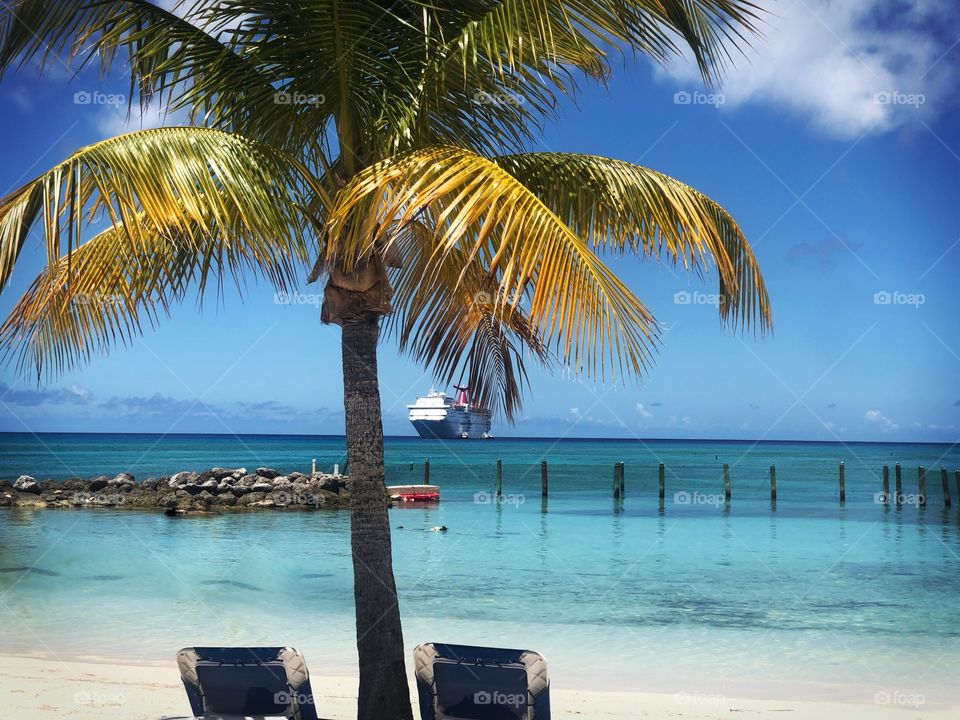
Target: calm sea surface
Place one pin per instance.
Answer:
(808, 599)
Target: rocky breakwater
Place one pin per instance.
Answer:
(211, 490)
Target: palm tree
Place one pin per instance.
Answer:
(384, 145)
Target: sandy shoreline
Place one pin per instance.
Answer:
(48, 689)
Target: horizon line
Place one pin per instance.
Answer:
(505, 438)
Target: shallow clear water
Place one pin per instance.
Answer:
(809, 599)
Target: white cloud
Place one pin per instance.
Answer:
(848, 66)
(643, 412)
(878, 418)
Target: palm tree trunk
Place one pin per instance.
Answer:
(384, 694)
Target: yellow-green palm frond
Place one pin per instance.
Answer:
(491, 71)
(185, 59)
(173, 180)
(107, 291)
(622, 207)
(484, 223)
(182, 205)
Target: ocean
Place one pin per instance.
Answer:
(806, 599)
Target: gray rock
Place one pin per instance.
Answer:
(268, 473)
(220, 473)
(182, 478)
(27, 484)
(263, 487)
(247, 481)
(210, 485)
(150, 484)
(99, 483)
(122, 479)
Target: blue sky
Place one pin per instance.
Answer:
(835, 144)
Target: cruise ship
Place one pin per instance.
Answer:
(437, 415)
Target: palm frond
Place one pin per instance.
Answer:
(107, 291)
(181, 204)
(485, 224)
(622, 207)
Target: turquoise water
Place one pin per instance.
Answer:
(808, 599)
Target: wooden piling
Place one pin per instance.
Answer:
(499, 479)
(885, 488)
(958, 484)
(616, 481)
(921, 486)
(898, 480)
(945, 479)
(726, 482)
(843, 483)
(663, 482)
(773, 483)
(623, 482)
(426, 471)
(543, 479)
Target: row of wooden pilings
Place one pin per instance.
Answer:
(619, 484)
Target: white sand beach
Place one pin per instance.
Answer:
(40, 689)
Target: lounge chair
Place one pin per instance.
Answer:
(480, 683)
(247, 681)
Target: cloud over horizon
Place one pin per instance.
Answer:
(848, 68)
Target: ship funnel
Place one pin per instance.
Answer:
(461, 395)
